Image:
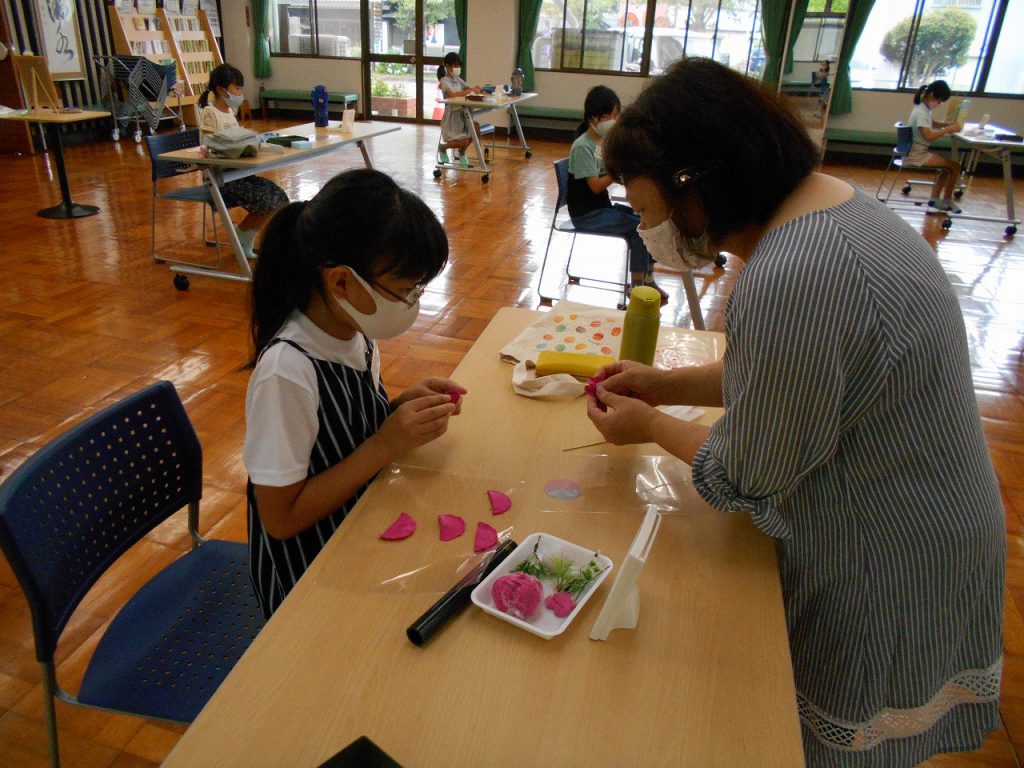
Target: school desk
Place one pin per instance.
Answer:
(52, 121)
(704, 680)
(218, 171)
(486, 103)
(974, 142)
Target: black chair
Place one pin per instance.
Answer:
(74, 507)
(167, 169)
(623, 287)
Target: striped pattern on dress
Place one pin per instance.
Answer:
(851, 434)
(352, 408)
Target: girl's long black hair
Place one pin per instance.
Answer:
(361, 219)
(939, 89)
(221, 76)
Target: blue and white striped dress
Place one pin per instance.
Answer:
(851, 435)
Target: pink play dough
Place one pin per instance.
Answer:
(486, 537)
(402, 528)
(517, 594)
(560, 603)
(455, 396)
(452, 526)
(592, 382)
(500, 503)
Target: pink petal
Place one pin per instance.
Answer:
(500, 503)
(452, 526)
(592, 382)
(486, 537)
(402, 528)
(454, 396)
(560, 603)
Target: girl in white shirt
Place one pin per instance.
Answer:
(456, 131)
(926, 130)
(260, 197)
(334, 274)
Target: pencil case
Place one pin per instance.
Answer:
(573, 363)
(286, 141)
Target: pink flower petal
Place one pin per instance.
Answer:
(486, 537)
(500, 503)
(454, 396)
(592, 382)
(517, 594)
(402, 528)
(452, 526)
(560, 603)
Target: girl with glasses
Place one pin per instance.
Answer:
(319, 424)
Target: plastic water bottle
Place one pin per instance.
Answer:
(640, 330)
(319, 98)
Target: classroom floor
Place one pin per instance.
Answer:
(87, 317)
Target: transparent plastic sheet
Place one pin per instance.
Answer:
(678, 347)
(623, 485)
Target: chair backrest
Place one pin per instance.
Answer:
(562, 176)
(169, 142)
(904, 139)
(83, 499)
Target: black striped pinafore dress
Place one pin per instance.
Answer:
(352, 408)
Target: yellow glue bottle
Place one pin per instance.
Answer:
(640, 330)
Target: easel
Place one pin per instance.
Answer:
(34, 75)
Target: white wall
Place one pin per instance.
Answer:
(493, 32)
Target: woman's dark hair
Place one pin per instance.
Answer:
(221, 76)
(939, 89)
(361, 219)
(743, 147)
(451, 59)
(601, 100)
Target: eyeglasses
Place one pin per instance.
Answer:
(409, 297)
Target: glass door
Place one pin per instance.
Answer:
(405, 42)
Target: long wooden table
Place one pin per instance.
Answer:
(704, 680)
(217, 171)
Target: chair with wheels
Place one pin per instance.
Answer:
(79, 503)
(166, 169)
(898, 160)
(621, 287)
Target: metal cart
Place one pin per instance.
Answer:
(136, 89)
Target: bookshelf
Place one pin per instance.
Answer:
(195, 48)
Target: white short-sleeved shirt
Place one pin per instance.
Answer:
(212, 120)
(282, 400)
(920, 117)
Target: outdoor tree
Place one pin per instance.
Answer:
(433, 11)
(704, 13)
(943, 41)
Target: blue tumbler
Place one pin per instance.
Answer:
(319, 97)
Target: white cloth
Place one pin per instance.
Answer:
(557, 386)
(282, 400)
(212, 120)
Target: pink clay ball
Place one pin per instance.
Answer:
(517, 594)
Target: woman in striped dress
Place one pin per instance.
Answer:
(850, 431)
(334, 274)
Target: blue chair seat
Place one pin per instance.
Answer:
(197, 194)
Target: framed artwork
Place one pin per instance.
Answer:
(61, 43)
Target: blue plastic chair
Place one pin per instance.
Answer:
(78, 504)
(898, 160)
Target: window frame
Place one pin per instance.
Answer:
(314, 23)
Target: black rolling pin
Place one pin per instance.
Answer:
(456, 598)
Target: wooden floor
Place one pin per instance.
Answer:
(86, 317)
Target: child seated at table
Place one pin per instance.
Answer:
(456, 130)
(259, 197)
(926, 130)
(334, 275)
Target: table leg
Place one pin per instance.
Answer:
(68, 209)
(366, 155)
(519, 129)
(476, 141)
(1004, 157)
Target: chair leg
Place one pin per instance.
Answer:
(152, 229)
(693, 299)
(568, 262)
(881, 182)
(49, 692)
(544, 263)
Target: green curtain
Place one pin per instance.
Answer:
(774, 18)
(261, 31)
(461, 9)
(842, 93)
(529, 16)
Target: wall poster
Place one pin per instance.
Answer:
(62, 46)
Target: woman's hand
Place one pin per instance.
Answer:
(416, 422)
(635, 380)
(621, 420)
(435, 385)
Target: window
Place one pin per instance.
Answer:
(907, 43)
(328, 28)
(614, 36)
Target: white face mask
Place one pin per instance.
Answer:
(602, 128)
(234, 100)
(456, 71)
(669, 248)
(392, 318)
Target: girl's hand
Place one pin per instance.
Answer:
(635, 380)
(416, 422)
(621, 420)
(435, 385)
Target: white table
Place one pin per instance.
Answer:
(218, 171)
(491, 101)
(974, 142)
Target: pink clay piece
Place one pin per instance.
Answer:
(402, 528)
(452, 526)
(455, 396)
(500, 503)
(560, 604)
(517, 594)
(486, 537)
